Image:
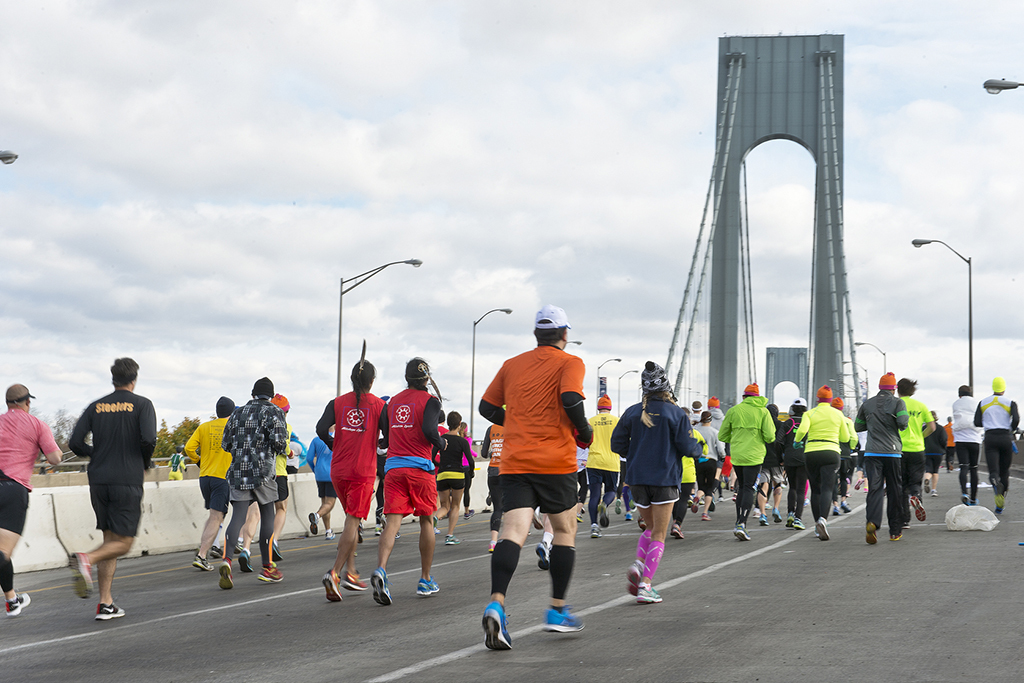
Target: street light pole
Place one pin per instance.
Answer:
(620, 388)
(885, 365)
(472, 375)
(353, 283)
(610, 360)
(970, 301)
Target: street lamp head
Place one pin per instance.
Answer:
(506, 311)
(921, 243)
(414, 262)
(573, 341)
(7, 156)
(617, 360)
(994, 86)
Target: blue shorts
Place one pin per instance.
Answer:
(216, 493)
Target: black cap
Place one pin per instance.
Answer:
(263, 388)
(225, 406)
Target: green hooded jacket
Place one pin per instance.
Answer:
(747, 427)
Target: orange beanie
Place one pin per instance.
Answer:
(752, 390)
(605, 402)
(888, 382)
(713, 402)
(825, 394)
(837, 403)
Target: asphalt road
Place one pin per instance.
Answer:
(936, 606)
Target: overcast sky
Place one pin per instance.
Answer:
(195, 178)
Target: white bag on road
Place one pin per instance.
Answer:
(975, 517)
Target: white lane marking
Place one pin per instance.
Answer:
(622, 600)
(181, 615)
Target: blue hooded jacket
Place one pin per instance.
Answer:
(653, 454)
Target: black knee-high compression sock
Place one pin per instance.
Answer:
(563, 557)
(504, 561)
(6, 573)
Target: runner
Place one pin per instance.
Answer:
(822, 430)
(22, 438)
(747, 428)
(494, 439)
(883, 416)
(281, 478)
(968, 443)
(470, 469)
(708, 465)
(123, 428)
(451, 475)
(319, 459)
(254, 435)
(355, 418)
(795, 465)
(919, 426)
(773, 474)
(542, 390)
(203, 448)
(847, 450)
(412, 439)
(934, 452)
(950, 443)
(688, 499)
(654, 436)
(602, 465)
(998, 416)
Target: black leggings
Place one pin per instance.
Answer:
(683, 504)
(967, 454)
(746, 488)
(843, 479)
(465, 491)
(494, 488)
(821, 472)
(998, 456)
(583, 484)
(239, 509)
(706, 477)
(797, 477)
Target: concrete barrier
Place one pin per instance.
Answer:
(38, 547)
(173, 517)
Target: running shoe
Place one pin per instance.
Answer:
(919, 512)
(821, 527)
(329, 535)
(381, 587)
(844, 507)
(579, 516)
(641, 523)
(676, 531)
(491, 545)
(998, 510)
(451, 540)
(705, 517)
(271, 575)
(835, 511)
(595, 531)
(763, 520)
(935, 493)
(618, 506)
(965, 499)
(20, 602)
(798, 525)
(897, 537)
(202, 563)
(1000, 501)
(425, 589)
(740, 532)
(538, 521)
(711, 508)
(275, 552)
(469, 513)
(927, 486)
(107, 612)
(352, 582)
(776, 516)
(225, 581)
(81, 568)
(238, 546)
(633, 576)
(378, 530)
(646, 595)
(872, 535)
(215, 553)
(314, 524)
(629, 516)
(359, 534)
(437, 532)
(330, 582)
(789, 520)
(543, 556)
(860, 482)
(245, 562)
(694, 505)
(562, 621)
(496, 635)
(602, 514)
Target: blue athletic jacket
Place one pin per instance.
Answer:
(653, 454)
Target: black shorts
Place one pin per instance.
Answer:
(325, 489)
(216, 493)
(553, 493)
(450, 484)
(13, 506)
(118, 508)
(933, 461)
(381, 459)
(282, 487)
(645, 496)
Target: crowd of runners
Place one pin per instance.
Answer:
(404, 456)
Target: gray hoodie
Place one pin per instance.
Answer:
(882, 416)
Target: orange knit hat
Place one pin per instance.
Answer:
(281, 402)
(752, 390)
(837, 403)
(888, 382)
(825, 394)
(713, 402)
(605, 402)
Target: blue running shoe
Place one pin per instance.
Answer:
(496, 635)
(425, 589)
(562, 621)
(381, 587)
(543, 556)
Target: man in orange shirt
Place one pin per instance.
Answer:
(543, 422)
(950, 444)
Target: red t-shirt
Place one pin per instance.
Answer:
(405, 425)
(355, 436)
(538, 433)
(22, 438)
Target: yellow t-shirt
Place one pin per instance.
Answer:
(204, 448)
(601, 456)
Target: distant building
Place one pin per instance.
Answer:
(786, 364)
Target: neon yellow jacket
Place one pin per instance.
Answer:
(824, 427)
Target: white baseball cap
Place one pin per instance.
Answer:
(800, 401)
(552, 318)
